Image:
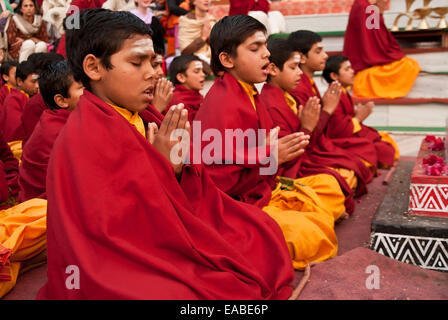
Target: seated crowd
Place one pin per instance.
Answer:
(91, 177)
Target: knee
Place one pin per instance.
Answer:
(28, 45)
(40, 47)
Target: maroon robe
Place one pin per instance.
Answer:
(4, 92)
(228, 106)
(244, 6)
(31, 115)
(36, 154)
(151, 114)
(367, 47)
(9, 171)
(118, 213)
(325, 152)
(340, 130)
(11, 116)
(306, 164)
(192, 100)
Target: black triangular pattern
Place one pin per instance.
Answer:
(426, 245)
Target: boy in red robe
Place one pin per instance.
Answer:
(61, 93)
(382, 69)
(233, 105)
(130, 222)
(354, 171)
(36, 105)
(187, 74)
(345, 124)
(11, 113)
(8, 74)
(284, 76)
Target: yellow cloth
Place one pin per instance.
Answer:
(291, 103)
(306, 215)
(23, 231)
(393, 80)
(356, 125)
(387, 138)
(251, 92)
(133, 119)
(16, 149)
(349, 176)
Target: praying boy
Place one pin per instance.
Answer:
(135, 223)
(187, 74)
(61, 93)
(239, 53)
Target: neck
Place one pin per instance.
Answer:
(199, 13)
(307, 71)
(273, 82)
(10, 85)
(237, 77)
(143, 10)
(30, 19)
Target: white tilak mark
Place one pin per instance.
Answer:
(143, 46)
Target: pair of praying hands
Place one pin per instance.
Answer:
(162, 138)
(163, 94)
(290, 147)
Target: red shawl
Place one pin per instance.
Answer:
(151, 114)
(325, 152)
(340, 130)
(366, 47)
(36, 154)
(227, 106)
(244, 6)
(31, 114)
(9, 171)
(11, 116)
(4, 92)
(192, 100)
(118, 214)
(305, 165)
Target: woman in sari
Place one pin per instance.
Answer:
(27, 32)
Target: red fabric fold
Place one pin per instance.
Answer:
(244, 6)
(11, 116)
(36, 154)
(367, 47)
(117, 212)
(31, 114)
(9, 171)
(192, 100)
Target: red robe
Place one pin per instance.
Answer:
(244, 6)
(151, 114)
(325, 152)
(31, 115)
(192, 100)
(36, 154)
(368, 47)
(11, 116)
(306, 164)
(228, 106)
(4, 92)
(117, 212)
(340, 130)
(9, 171)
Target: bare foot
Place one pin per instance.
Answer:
(344, 216)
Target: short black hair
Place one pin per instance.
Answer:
(55, 79)
(180, 65)
(281, 51)
(228, 33)
(42, 59)
(303, 40)
(24, 69)
(333, 64)
(102, 33)
(6, 67)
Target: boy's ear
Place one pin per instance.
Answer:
(5, 78)
(92, 67)
(334, 76)
(226, 60)
(273, 70)
(60, 101)
(19, 82)
(303, 58)
(181, 78)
